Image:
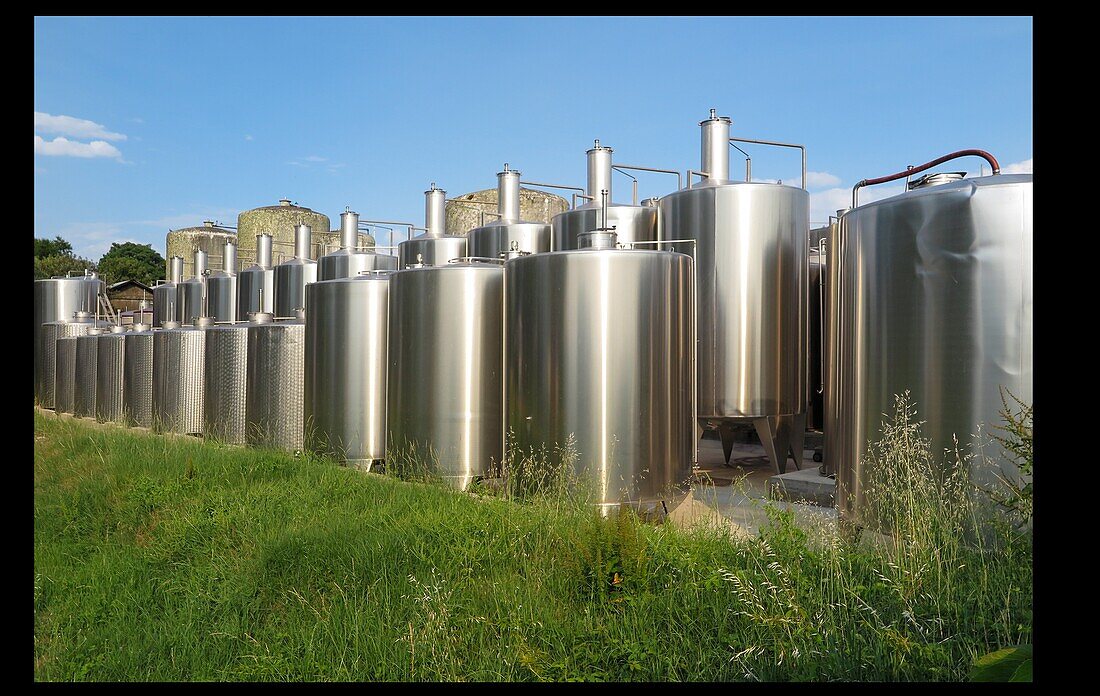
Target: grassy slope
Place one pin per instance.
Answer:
(178, 560)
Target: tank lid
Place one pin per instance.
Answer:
(285, 202)
(140, 326)
(96, 330)
(118, 328)
(515, 251)
(935, 179)
(170, 324)
(260, 317)
(204, 321)
(715, 117)
(82, 317)
(596, 146)
(600, 238)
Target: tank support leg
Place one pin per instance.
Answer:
(798, 438)
(725, 433)
(767, 429)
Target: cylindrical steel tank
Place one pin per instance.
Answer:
(256, 284)
(632, 223)
(931, 292)
(347, 322)
(190, 292)
(292, 275)
(64, 360)
(110, 357)
(164, 295)
(275, 402)
(751, 267)
(435, 247)
(348, 261)
(818, 306)
(178, 379)
(84, 376)
(77, 324)
(57, 299)
(137, 377)
(499, 236)
(226, 375)
(445, 385)
(221, 287)
(599, 356)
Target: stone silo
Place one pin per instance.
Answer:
(279, 221)
(183, 242)
(464, 212)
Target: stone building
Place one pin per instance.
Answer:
(183, 242)
(471, 210)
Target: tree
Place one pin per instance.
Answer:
(130, 261)
(59, 265)
(51, 247)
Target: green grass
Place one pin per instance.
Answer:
(170, 559)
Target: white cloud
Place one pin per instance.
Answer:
(816, 180)
(63, 147)
(136, 119)
(315, 158)
(1018, 167)
(248, 137)
(76, 127)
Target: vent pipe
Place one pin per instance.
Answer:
(435, 211)
(508, 193)
(349, 229)
(175, 270)
(263, 250)
(200, 263)
(599, 172)
(229, 258)
(716, 147)
(303, 241)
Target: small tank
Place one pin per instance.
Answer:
(445, 385)
(275, 399)
(78, 324)
(178, 378)
(164, 295)
(509, 232)
(346, 363)
(632, 223)
(348, 261)
(292, 275)
(226, 374)
(256, 284)
(137, 376)
(84, 376)
(599, 369)
(221, 287)
(56, 300)
(110, 357)
(435, 247)
(190, 293)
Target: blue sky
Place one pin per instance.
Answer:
(164, 122)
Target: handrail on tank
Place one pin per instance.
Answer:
(556, 186)
(634, 179)
(748, 162)
(476, 259)
(775, 144)
(927, 165)
(637, 168)
(411, 226)
(701, 175)
(467, 204)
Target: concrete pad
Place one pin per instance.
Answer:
(807, 485)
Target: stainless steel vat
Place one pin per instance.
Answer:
(632, 223)
(65, 374)
(178, 380)
(348, 261)
(931, 292)
(275, 393)
(76, 325)
(509, 232)
(221, 287)
(226, 373)
(599, 369)
(818, 305)
(110, 356)
(445, 386)
(435, 247)
(164, 295)
(256, 284)
(137, 377)
(292, 275)
(346, 365)
(84, 375)
(190, 293)
(752, 276)
(57, 299)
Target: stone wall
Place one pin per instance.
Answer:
(534, 206)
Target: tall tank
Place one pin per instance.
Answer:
(275, 403)
(110, 357)
(818, 304)
(752, 268)
(632, 223)
(76, 324)
(84, 375)
(221, 287)
(435, 247)
(178, 357)
(292, 275)
(190, 292)
(164, 295)
(348, 261)
(64, 360)
(137, 376)
(57, 299)
(599, 351)
(226, 375)
(346, 364)
(931, 292)
(509, 232)
(256, 284)
(445, 385)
